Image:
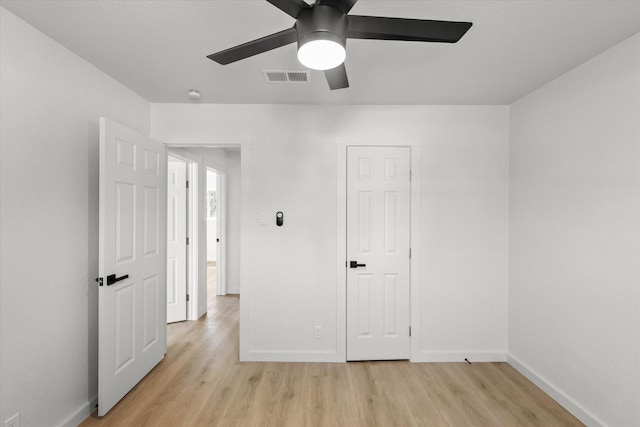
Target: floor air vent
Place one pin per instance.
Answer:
(282, 76)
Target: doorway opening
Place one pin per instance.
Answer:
(212, 224)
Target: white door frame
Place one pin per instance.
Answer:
(193, 235)
(205, 164)
(221, 279)
(244, 143)
(341, 252)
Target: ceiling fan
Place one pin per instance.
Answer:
(321, 31)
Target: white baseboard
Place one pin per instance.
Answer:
(80, 414)
(556, 394)
(291, 356)
(332, 356)
(460, 356)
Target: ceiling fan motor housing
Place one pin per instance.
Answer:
(322, 23)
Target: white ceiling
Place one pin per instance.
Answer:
(158, 48)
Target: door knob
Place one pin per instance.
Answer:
(354, 264)
(111, 279)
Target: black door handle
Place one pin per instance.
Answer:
(354, 264)
(111, 279)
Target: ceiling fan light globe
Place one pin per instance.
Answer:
(321, 54)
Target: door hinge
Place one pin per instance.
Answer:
(187, 184)
(100, 281)
(187, 240)
(187, 297)
(409, 330)
(409, 253)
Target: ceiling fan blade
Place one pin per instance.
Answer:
(343, 5)
(421, 30)
(290, 7)
(254, 47)
(337, 77)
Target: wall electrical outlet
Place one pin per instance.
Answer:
(317, 332)
(13, 421)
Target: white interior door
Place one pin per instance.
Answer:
(176, 240)
(132, 336)
(378, 239)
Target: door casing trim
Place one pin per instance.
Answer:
(415, 146)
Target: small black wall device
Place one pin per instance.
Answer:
(279, 219)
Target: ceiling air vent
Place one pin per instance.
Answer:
(283, 76)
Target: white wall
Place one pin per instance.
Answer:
(232, 215)
(292, 168)
(51, 101)
(214, 158)
(574, 237)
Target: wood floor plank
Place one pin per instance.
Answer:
(201, 383)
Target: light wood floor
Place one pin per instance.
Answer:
(211, 285)
(201, 383)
